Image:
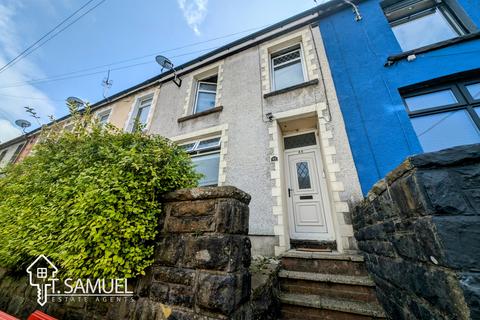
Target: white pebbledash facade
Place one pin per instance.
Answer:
(262, 115)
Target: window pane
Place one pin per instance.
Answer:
(205, 144)
(303, 175)
(188, 147)
(445, 130)
(477, 110)
(145, 102)
(431, 100)
(429, 29)
(301, 140)
(294, 55)
(142, 114)
(474, 90)
(208, 166)
(103, 118)
(288, 75)
(205, 101)
(208, 87)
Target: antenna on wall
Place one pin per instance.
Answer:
(33, 113)
(106, 84)
(165, 63)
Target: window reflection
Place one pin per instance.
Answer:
(425, 30)
(445, 130)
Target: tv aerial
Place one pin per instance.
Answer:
(24, 124)
(106, 84)
(165, 63)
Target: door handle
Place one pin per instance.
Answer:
(289, 191)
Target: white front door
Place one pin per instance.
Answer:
(309, 212)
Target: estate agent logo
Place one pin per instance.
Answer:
(40, 272)
(42, 275)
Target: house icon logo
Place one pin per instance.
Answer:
(41, 274)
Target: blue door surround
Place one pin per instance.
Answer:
(379, 129)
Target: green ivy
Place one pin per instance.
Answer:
(88, 199)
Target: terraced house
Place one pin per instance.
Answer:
(261, 114)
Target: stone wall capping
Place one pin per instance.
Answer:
(204, 193)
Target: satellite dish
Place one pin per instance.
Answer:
(165, 63)
(75, 100)
(24, 124)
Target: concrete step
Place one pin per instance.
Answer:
(318, 307)
(328, 277)
(326, 263)
(332, 286)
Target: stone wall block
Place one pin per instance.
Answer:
(470, 282)
(232, 217)
(460, 238)
(469, 183)
(170, 250)
(174, 275)
(222, 292)
(190, 216)
(442, 198)
(406, 198)
(215, 252)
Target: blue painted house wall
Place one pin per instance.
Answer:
(379, 129)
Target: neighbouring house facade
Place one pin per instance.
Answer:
(407, 76)
(260, 114)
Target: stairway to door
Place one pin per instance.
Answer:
(327, 286)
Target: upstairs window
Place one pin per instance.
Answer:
(141, 115)
(16, 153)
(2, 155)
(104, 116)
(206, 94)
(419, 23)
(287, 68)
(206, 158)
(445, 116)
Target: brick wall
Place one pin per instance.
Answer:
(419, 229)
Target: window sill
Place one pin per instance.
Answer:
(297, 86)
(200, 114)
(439, 45)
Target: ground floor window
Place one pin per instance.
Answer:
(446, 115)
(205, 155)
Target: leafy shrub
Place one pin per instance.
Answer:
(88, 199)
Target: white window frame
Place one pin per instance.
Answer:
(102, 113)
(136, 108)
(196, 152)
(17, 152)
(287, 51)
(206, 91)
(3, 154)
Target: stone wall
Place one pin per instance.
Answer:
(201, 268)
(419, 229)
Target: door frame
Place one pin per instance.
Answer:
(323, 186)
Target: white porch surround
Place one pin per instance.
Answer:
(277, 173)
